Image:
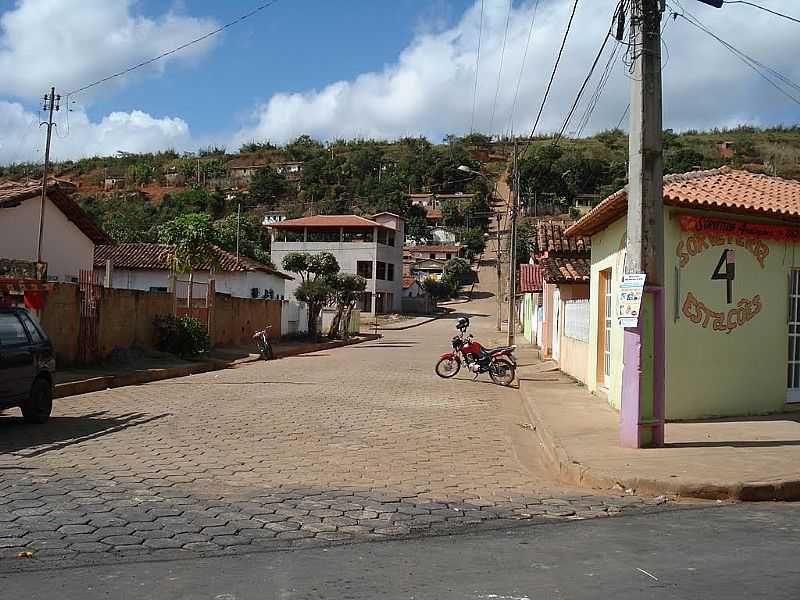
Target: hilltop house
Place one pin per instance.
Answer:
(372, 248)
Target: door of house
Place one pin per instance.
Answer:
(556, 323)
(793, 383)
(604, 317)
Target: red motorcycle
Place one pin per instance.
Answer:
(500, 362)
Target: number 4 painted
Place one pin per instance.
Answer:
(728, 259)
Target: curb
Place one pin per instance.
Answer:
(412, 326)
(97, 384)
(572, 472)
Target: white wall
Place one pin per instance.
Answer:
(65, 248)
(237, 284)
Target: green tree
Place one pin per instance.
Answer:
(125, 220)
(316, 272)
(267, 186)
(192, 239)
(254, 239)
(473, 241)
(304, 148)
(346, 292)
(456, 271)
(439, 290)
(451, 213)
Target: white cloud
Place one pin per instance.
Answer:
(429, 89)
(68, 43)
(23, 140)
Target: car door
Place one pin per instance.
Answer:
(16, 359)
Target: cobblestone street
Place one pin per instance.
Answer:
(358, 443)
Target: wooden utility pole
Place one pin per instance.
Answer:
(51, 103)
(642, 411)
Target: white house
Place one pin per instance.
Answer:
(148, 267)
(370, 248)
(69, 235)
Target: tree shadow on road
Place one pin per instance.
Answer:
(60, 432)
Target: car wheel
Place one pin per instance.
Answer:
(39, 404)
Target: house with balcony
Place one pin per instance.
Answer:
(372, 248)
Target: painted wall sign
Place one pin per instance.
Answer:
(697, 243)
(631, 289)
(700, 314)
(712, 226)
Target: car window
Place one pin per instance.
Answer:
(11, 331)
(33, 329)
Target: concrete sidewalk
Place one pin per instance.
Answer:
(756, 458)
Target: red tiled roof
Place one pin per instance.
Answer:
(327, 221)
(565, 270)
(722, 189)
(433, 248)
(550, 240)
(157, 257)
(530, 278)
(58, 191)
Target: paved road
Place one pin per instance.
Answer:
(355, 443)
(744, 551)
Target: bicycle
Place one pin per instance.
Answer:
(264, 347)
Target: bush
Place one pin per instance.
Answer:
(183, 336)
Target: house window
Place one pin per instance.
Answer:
(390, 272)
(358, 234)
(157, 288)
(366, 302)
(382, 236)
(324, 235)
(289, 235)
(390, 238)
(364, 268)
(448, 256)
(432, 256)
(380, 270)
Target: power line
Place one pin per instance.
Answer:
(522, 68)
(765, 72)
(477, 64)
(764, 8)
(174, 50)
(500, 70)
(552, 77)
(624, 114)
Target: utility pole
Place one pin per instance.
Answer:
(499, 294)
(642, 417)
(51, 103)
(512, 258)
(238, 222)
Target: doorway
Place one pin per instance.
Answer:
(556, 324)
(793, 378)
(604, 320)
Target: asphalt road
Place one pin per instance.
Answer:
(740, 551)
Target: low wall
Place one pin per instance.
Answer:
(60, 318)
(420, 305)
(234, 320)
(126, 318)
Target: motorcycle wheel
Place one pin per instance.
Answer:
(448, 367)
(502, 372)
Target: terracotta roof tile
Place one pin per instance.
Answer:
(433, 213)
(530, 278)
(446, 248)
(565, 270)
(157, 257)
(58, 192)
(551, 240)
(327, 221)
(723, 189)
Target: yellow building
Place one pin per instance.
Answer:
(730, 302)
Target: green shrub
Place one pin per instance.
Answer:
(183, 336)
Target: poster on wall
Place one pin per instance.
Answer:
(631, 290)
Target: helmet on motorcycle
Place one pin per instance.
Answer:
(462, 323)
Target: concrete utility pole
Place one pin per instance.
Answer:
(499, 294)
(512, 258)
(51, 103)
(642, 414)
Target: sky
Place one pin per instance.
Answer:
(360, 68)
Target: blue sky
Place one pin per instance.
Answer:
(359, 68)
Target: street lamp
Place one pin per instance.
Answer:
(499, 293)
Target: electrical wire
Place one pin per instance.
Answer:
(765, 72)
(522, 69)
(764, 8)
(174, 50)
(500, 70)
(477, 64)
(552, 78)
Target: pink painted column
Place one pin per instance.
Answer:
(632, 424)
